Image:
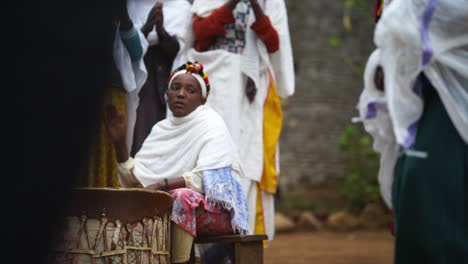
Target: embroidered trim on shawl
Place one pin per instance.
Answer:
(221, 188)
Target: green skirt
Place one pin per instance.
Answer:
(430, 195)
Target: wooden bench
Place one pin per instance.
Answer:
(248, 248)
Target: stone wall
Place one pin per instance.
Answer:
(329, 66)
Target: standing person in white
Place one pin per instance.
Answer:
(246, 45)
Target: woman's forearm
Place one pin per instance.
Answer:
(169, 46)
(176, 183)
(168, 184)
(206, 29)
(259, 14)
(121, 151)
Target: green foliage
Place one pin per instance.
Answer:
(355, 3)
(362, 163)
(334, 41)
(353, 6)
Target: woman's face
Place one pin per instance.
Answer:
(184, 95)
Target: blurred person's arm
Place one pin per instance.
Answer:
(129, 35)
(264, 29)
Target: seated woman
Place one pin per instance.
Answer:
(190, 154)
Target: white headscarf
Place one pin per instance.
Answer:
(197, 76)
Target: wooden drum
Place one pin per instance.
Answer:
(114, 225)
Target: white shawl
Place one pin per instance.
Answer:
(176, 145)
(434, 40)
(373, 113)
(400, 52)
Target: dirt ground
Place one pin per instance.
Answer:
(359, 247)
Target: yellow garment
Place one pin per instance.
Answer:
(379, 11)
(272, 124)
(259, 220)
(102, 167)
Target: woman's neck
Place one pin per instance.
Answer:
(188, 117)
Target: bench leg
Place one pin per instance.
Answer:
(249, 252)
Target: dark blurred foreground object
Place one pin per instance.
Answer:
(62, 65)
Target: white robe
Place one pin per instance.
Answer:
(228, 75)
(133, 76)
(403, 49)
(400, 52)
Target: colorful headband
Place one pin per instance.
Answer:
(196, 70)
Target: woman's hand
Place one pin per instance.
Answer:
(115, 125)
(155, 18)
(379, 79)
(259, 14)
(158, 15)
(232, 4)
(158, 186)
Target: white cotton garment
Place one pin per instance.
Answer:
(133, 75)
(177, 145)
(414, 36)
(374, 115)
(429, 36)
(228, 76)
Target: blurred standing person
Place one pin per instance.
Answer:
(162, 23)
(128, 73)
(246, 46)
(418, 116)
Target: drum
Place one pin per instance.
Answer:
(113, 226)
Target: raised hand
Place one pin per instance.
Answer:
(158, 15)
(115, 125)
(155, 18)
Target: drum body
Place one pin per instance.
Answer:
(114, 225)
